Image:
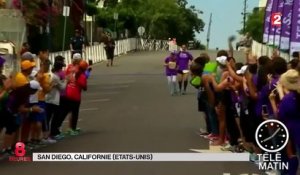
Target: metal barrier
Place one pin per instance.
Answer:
(259, 49)
(96, 53)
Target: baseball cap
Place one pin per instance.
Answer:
(77, 56)
(2, 61)
(35, 85)
(25, 65)
(28, 56)
(222, 60)
(242, 70)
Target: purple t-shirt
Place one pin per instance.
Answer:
(289, 114)
(170, 72)
(183, 59)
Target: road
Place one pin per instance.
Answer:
(127, 108)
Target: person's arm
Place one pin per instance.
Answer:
(230, 46)
(233, 74)
(273, 104)
(166, 62)
(83, 45)
(71, 44)
(221, 86)
(82, 82)
(251, 87)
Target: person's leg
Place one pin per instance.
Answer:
(75, 115)
(179, 77)
(169, 79)
(64, 109)
(213, 120)
(112, 57)
(231, 125)
(174, 85)
(220, 110)
(185, 81)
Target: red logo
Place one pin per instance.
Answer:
(20, 153)
(20, 149)
(276, 19)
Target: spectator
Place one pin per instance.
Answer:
(53, 97)
(77, 43)
(73, 96)
(25, 48)
(17, 104)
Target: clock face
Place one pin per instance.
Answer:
(272, 136)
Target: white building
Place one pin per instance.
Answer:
(262, 3)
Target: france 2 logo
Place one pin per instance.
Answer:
(276, 19)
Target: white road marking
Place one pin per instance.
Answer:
(97, 100)
(89, 109)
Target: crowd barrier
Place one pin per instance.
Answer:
(259, 49)
(96, 53)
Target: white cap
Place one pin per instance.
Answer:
(77, 56)
(33, 73)
(35, 85)
(242, 70)
(222, 60)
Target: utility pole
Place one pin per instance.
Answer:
(208, 31)
(244, 13)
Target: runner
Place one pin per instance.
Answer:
(184, 58)
(171, 72)
(77, 43)
(110, 50)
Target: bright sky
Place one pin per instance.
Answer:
(226, 19)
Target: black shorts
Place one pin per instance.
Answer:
(180, 72)
(11, 122)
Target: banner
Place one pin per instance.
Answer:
(295, 34)
(278, 28)
(272, 27)
(286, 25)
(142, 157)
(267, 21)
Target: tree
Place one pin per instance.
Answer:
(254, 24)
(162, 19)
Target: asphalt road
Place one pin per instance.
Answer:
(127, 108)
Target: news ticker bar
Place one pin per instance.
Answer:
(168, 157)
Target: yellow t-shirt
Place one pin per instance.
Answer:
(45, 83)
(19, 80)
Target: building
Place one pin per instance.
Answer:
(262, 3)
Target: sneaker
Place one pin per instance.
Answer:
(49, 141)
(78, 129)
(254, 158)
(74, 133)
(212, 137)
(59, 137)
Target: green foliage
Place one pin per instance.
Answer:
(162, 19)
(254, 24)
(91, 9)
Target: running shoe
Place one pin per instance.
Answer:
(49, 141)
(59, 136)
(212, 137)
(74, 133)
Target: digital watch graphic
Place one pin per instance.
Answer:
(272, 136)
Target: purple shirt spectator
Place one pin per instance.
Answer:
(289, 114)
(183, 59)
(170, 72)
